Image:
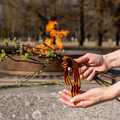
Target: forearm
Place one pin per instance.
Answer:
(112, 59)
(113, 91)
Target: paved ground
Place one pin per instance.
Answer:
(41, 103)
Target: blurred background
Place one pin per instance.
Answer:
(95, 23)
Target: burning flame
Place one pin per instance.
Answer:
(55, 40)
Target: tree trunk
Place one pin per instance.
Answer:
(53, 10)
(117, 38)
(99, 41)
(53, 16)
(81, 23)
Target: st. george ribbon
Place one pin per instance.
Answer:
(69, 62)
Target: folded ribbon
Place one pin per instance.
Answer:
(69, 62)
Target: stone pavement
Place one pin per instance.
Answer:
(41, 103)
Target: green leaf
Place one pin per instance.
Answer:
(48, 55)
(14, 39)
(6, 41)
(21, 46)
(2, 51)
(6, 57)
(17, 81)
(22, 55)
(26, 55)
(18, 51)
(30, 51)
(52, 52)
(16, 46)
(39, 72)
(24, 58)
(2, 55)
(37, 57)
(52, 55)
(41, 41)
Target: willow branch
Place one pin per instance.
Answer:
(28, 78)
(109, 76)
(24, 60)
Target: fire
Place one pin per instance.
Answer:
(54, 41)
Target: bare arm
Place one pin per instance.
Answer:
(112, 59)
(92, 62)
(91, 97)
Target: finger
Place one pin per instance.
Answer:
(69, 69)
(82, 69)
(86, 73)
(67, 91)
(84, 104)
(91, 76)
(66, 102)
(65, 95)
(81, 92)
(80, 97)
(82, 59)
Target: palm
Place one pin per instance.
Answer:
(86, 98)
(66, 94)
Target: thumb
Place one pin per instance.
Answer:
(79, 97)
(82, 59)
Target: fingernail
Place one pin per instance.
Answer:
(85, 67)
(59, 92)
(72, 100)
(68, 69)
(93, 71)
(91, 68)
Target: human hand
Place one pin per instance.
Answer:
(86, 98)
(90, 62)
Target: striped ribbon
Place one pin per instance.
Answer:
(69, 62)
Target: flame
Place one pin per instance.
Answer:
(39, 49)
(54, 41)
(55, 35)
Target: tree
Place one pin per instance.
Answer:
(82, 38)
(117, 21)
(99, 14)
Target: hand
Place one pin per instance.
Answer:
(90, 62)
(86, 98)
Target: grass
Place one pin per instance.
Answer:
(32, 85)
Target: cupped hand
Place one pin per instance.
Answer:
(85, 98)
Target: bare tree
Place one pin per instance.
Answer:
(100, 19)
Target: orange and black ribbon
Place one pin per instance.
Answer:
(69, 62)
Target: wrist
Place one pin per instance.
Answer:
(114, 91)
(112, 59)
(110, 62)
(106, 94)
